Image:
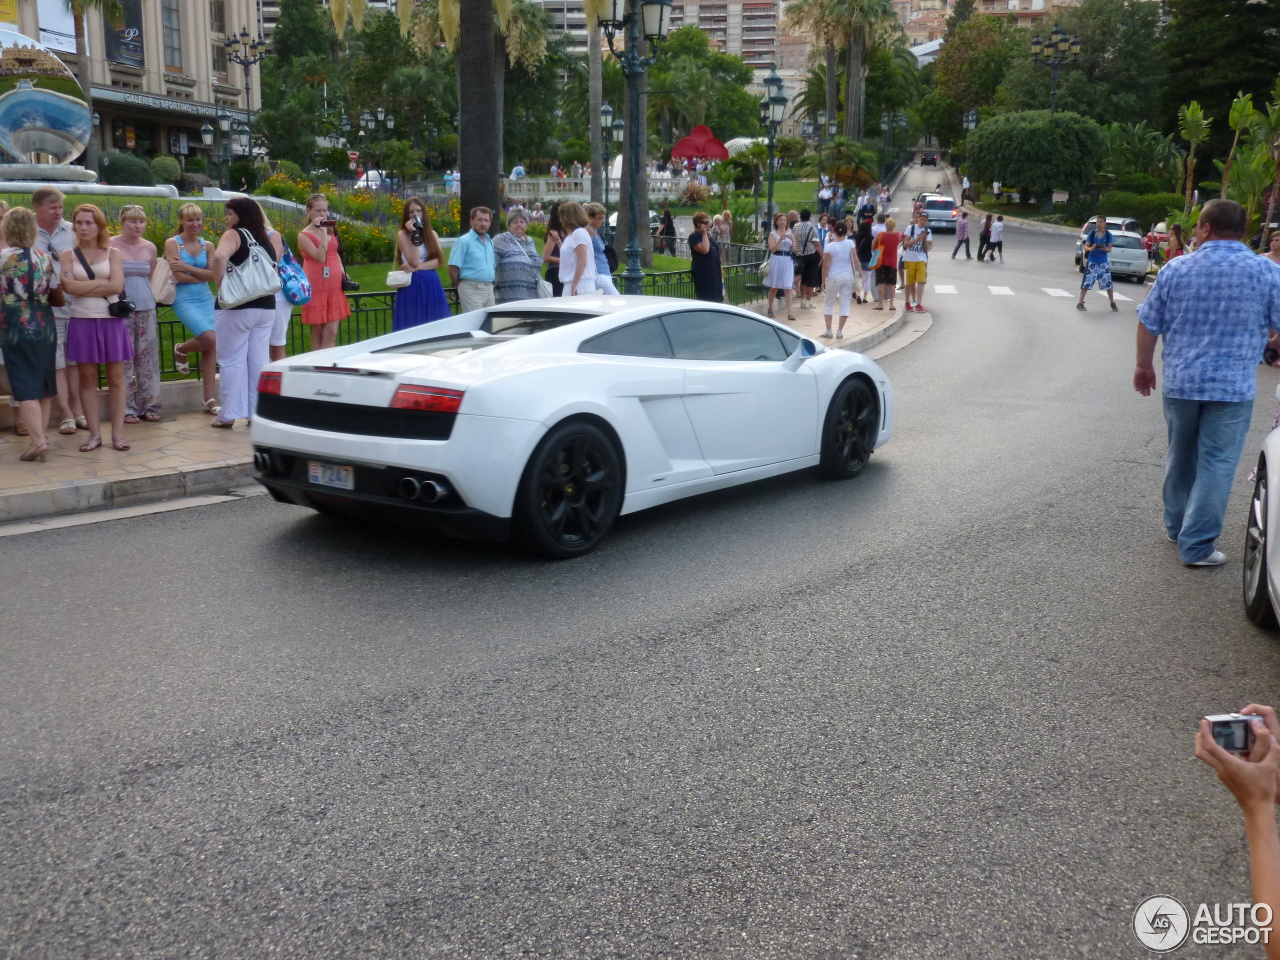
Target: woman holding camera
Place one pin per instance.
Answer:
(244, 331)
(418, 251)
(142, 373)
(92, 272)
(322, 263)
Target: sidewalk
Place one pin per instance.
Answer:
(182, 456)
(179, 457)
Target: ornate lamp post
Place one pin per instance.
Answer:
(652, 19)
(251, 51)
(1059, 51)
(886, 144)
(773, 109)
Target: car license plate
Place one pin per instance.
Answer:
(332, 475)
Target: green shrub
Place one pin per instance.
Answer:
(165, 168)
(125, 170)
(242, 171)
(578, 150)
(1147, 209)
(289, 169)
(196, 165)
(194, 182)
(1139, 183)
(1079, 208)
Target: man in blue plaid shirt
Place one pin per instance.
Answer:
(1215, 310)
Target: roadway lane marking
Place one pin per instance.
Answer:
(1000, 291)
(1055, 292)
(1118, 296)
(944, 288)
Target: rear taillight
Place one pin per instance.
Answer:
(426, 399)
(269, 382)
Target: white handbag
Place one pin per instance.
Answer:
(255, 277)
(398, 278)
(545, 289)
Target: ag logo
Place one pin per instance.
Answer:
(1161, 924)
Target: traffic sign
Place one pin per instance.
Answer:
(353, 155)
(351, 165)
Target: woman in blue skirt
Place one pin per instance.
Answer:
(191, 258)
(418, 251)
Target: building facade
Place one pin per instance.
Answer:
(745, 28)
(158, 76)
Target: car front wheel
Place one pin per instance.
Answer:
(570, 493)
(1257, 598)
(849, 430)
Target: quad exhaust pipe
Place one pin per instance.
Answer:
(428, 491)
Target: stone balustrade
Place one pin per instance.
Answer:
(548, 189)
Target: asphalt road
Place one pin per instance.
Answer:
(944, 710)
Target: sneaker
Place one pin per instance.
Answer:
(839, 334)
(1215, 559)
(920, 308)
(1171, 538)
(1080, 306)
(1114, 307)
(826, 333)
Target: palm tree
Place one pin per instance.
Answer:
(485, 36)
(1193, 127)
(854, 25)
(78, 8)
(595, 94)
(1267, 136)
(1242, 119)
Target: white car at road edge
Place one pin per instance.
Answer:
(1261, 565)
(542, 421)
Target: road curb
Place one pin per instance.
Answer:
(81, 496)
(1032, 225)
(881, 333)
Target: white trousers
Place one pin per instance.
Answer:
(243, 350)
(604, 284)
(280, 327)
(838, 285)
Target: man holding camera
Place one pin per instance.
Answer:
(1215, 311)
(471, 263)
(1097, 262)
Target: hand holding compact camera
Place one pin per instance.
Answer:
(415, 235)
(1242, 749)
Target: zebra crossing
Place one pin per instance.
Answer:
(999, 291)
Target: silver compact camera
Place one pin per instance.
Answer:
(1233, 732)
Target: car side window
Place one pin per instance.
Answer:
(712, 335)
(644, 338)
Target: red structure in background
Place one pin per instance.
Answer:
(701, 143)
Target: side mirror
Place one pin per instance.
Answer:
(805, 349)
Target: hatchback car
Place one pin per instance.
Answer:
(941, 212)
(1114, 224)
(1128, 258)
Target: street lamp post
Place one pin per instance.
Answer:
(886, 144)
(820, 128)
(1057, 53)
(251, 51)
(652, 20)
(773, 109)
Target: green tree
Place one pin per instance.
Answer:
(1217, 49)
(961, 11)
(302, 30)
(970, 70)
(1036, 152)
(1242, 118)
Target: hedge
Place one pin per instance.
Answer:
(1148, 209)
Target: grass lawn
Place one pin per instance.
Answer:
(1025, 211)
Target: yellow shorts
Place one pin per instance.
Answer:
(916, 270)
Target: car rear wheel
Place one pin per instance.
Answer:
(849, 430)
(1257, 598)
(570, 493)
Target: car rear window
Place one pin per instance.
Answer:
(939, 204)
(451, 346)
(1126, 242)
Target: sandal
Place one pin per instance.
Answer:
(211, 406)
(82, 422)
(131, 418)
(93, 443)
(21, 430)
(67, 427)
(119, 443)
(223, 424)
(180, 363)
(150, 417)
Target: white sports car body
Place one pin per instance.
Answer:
(543, 420)
(1261, 560)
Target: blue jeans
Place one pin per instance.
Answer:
(1206, 438)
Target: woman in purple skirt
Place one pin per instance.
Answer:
(92, 273)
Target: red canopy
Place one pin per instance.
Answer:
(700, 142)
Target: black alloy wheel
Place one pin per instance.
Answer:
(1257, 597)
(570, 493)
(850, 429)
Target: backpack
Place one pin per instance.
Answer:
(293, 282)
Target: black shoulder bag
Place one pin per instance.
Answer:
(120, 307)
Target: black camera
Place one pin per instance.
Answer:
(415, 235)
(120, 308)
(1233, 732)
